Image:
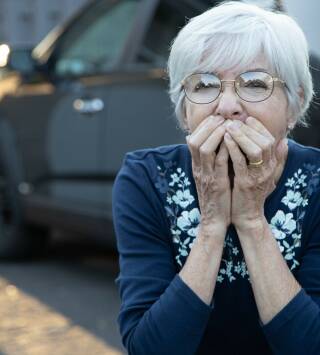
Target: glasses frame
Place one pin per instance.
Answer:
(275, 81)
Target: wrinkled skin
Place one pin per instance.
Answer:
(230, 129)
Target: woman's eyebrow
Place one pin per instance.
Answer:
(217, 73)
(257, 69)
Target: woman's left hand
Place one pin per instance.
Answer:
(252, 184)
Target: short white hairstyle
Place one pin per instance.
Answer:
(231, 36)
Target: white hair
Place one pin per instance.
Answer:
(231, 36)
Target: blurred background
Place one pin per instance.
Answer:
(78, 80)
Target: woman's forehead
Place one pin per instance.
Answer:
(258, 64)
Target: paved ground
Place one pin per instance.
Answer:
(65, 303)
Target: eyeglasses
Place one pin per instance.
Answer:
(251, 86)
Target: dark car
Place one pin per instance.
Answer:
(92, 90)
(70, 109)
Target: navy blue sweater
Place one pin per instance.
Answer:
(156, 216)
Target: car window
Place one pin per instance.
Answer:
(169, 18)
(96, 40)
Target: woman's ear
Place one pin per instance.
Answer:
(291, 125)
(184, 118)
(292, 121)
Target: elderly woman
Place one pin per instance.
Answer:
(219, 238)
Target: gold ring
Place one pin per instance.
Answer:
(256, 163)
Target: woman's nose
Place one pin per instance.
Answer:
(228, 104)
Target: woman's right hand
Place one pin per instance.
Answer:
(210, 172)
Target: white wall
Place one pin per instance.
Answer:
(307, 14)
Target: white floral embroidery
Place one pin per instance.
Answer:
(176, 235)
(292, 199)
(220, 278)
(235, 251)
(175, 179)
(186, 182)
(228, 271)
(281, 247)
(297, 197)
(286, 224)
(300, 178)
(189, 221)
(230, 267)
(241, 268)
(179, 200)
(183, 198)
(290, 182)
(282, 224)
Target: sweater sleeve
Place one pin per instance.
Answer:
(295, 329)
(159, 313)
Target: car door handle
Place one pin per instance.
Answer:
(88, 106)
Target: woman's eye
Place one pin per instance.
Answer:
(199, 86)
(202, 85)
(256, 84)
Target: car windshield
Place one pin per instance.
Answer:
(96, 41)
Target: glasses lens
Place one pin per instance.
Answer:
(254, 86)
(202, 88)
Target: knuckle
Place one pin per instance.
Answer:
(250, 120)
(272, 140)
(196, 170)
(220, 161)
(239, 161)
(204, 151)
(273, 163)
(221, 130)
(245, 185)
(192, 144)
(256, 154)
(197, 175)
(265, 146)
(260, 180)
(254, 158)
(208, 180)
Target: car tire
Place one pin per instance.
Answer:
(17, 239)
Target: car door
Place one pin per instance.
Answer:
(140, 114)
(134, 107)
(88, 54)
(59, 116)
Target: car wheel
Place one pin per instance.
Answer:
(17, 239)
